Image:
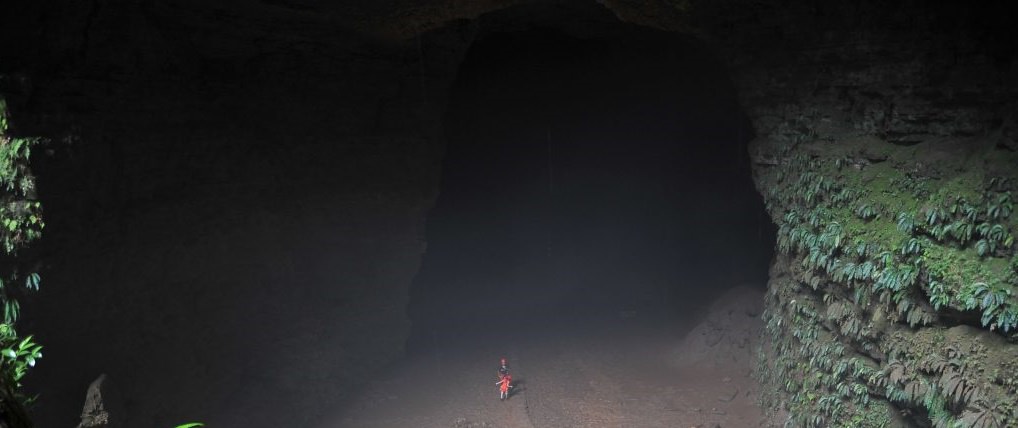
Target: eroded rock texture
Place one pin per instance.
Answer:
(884, 155)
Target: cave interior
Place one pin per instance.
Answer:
(254, 206)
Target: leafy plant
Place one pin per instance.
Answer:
(1001, 207)
(983, 415)
(938, 295)
(960, 230)
(955, 387)
(20, 224)
(911, 247)
(934, 215)
(906, 222)
(865, 212)
(994, 303)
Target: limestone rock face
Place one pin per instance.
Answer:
(873, 142)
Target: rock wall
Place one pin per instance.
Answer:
(886, 156)
(238, 214)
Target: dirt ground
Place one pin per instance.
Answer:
(627, 372)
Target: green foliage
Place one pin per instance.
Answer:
(994, 303)
(906, 222)
(984, 415)
(937, 294)
(956, 231)
(20, 213)
(17, 356)
(20, 224)
(866, 212)
(190, 425)
(810, 228)
(882, 243)
(20, 357)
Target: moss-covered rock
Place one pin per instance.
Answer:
(899, 289)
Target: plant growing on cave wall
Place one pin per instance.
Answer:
(878, 249)
(20, 224)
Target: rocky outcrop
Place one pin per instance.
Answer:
(881, 154)
(104, 406)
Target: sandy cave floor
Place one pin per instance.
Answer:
(626, 373)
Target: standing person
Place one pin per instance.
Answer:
(504, 379)
(503, 368)
(505, 384)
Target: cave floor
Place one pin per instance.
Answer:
(622, 373)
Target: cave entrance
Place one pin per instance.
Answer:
(594, 170)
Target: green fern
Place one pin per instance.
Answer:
(934, 215)
(983, 247)
(983, 415)
(938, 295)
(906, 222)
(955, 387)
(911, 247)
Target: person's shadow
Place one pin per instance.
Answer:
(517, 387)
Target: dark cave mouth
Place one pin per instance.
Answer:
(588, 174)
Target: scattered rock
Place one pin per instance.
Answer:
(729, 397)
(466, 423)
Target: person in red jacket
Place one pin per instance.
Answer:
(505, 383)
(504, 379)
